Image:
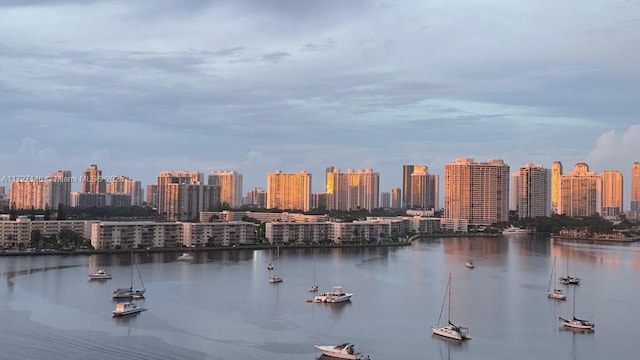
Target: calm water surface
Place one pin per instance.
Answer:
(221, 306)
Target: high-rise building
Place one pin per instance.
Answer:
(182, 195)
(612, 194)
(396, 198)
(92, 180)
(635, 187)
(230, 183)
(533, 191)
(407, 170)
(423, 189)
(41, 193)
(256, 197)
(385, 200)
(352, 190)
(556, 172)
(289, 191)
(152, 195)
(477, 191)
(513, 191)
(579, 192)
(121, 184)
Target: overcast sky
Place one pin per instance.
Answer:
(143, 86)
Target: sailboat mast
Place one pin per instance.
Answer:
(449, 312)
(131, 270)
(574, 302)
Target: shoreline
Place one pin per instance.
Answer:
(199, 249)
(591, 239)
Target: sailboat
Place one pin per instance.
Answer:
(314, 287)
(569, 280)
(576, 323)
(450, 330)
(130, 293)
(276, 278)
(555, 293)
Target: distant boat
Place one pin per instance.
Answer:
(314, 287)
(185, 257)
(269, 266)
(123, 309)
(569, 280)
(555, 293)
(130, 293)
(342, 351)
(450, 330)
(337, 295)
(100, 275)
(576, 323)
(469, 264)
(514, 230)
(275, 278)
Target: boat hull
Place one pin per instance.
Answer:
(332, 352)
(450, 332)
(100, 277)
(556, 295)
(128, 312)
(577, 324)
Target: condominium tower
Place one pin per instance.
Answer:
(635, 186)
(41, 193)
(352, 190)
(289, 191)
(230, 183)
(182, 195)
(612, 194)
(121, 184)
(477, 191)
(556, 172)
(423, 189)
(579, 193)
(396, 198)
(407, 170)
(533, 191)
(92, 180)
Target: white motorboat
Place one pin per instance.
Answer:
(269, 266)
(127, 308)
(576, 323)
(275, 279)
(342, 351)
(469, 264)
(337, 295)
(555, 293)
(450, 330)
(100, 275)
(185, 257)
(514, 230)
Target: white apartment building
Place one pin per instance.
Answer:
(371, 230)
(17, 233)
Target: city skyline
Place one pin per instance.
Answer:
(193, 90)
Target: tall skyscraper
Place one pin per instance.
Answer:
(396, 198)
(513, 191)
(121, 184)
(556, 172)
(424, 189)
(41, 193)
(533, 191)
(407, 170)
(477, 191)
(182, 195)
(385, 200)
(92, 180)
(612, 194)
(152, 195)
(256, 197)
(289, 191)
(352, 190)
(580, 192)
(635, 187)
(230, 183)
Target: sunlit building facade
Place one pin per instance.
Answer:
(612, 194)
(407, 170)
(396, 198)
(556, 173)
(93, 181)
(477, 191)
(423, 189)
(635, 186)
(289, 191)
(580, 192)
(533, 191)
(182, 195)
(121, 184)
(230, 183)
(352, 190)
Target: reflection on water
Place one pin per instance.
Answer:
(221, 306)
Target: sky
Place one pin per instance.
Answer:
(255, 86)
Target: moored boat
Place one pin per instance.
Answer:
(127, 308)
(185, 257)
(342, 351)
(337, 295)
(100, 275)
(450, 330)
